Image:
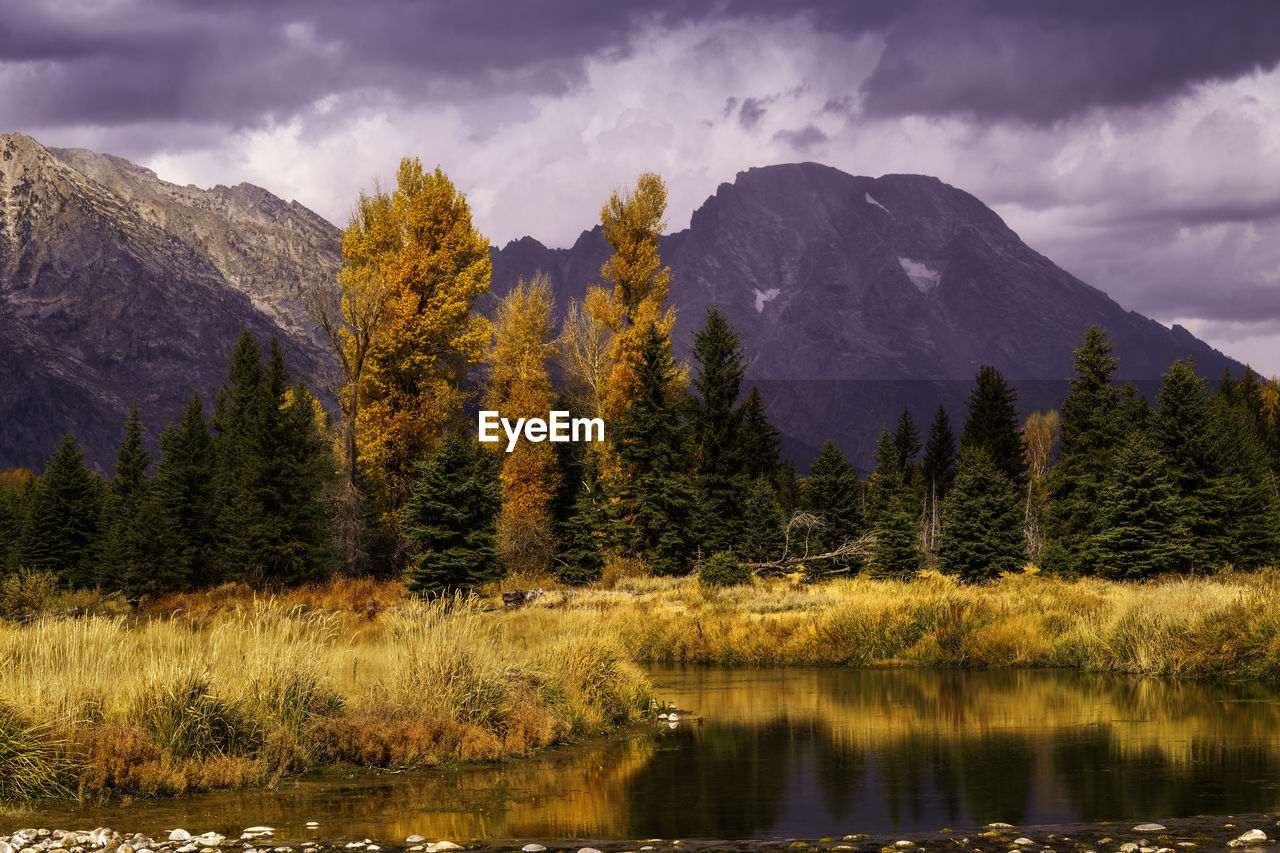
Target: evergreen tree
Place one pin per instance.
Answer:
(1142, 534)
(10, 528)
(176, 520)
(897, 532)
(655, 498)
(274, 475)
(1242, 489)
(887, 480)
(584, 533)
(906, 440)
(833, 493)
(1090, 428)
(717, 425)
(763, 523)
(120, 548)
(759, 438)
(937, 471)
(1184, 435)
(982, 533)
(449, 520)
(992, 424)
(237, 421)
(63, 518)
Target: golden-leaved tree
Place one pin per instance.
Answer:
(413, 265)
(632, 222)
(520, 387)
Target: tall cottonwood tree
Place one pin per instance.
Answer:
(353, 317)
(519, 386)
(433, 263)
(937, 471)
(635, 289)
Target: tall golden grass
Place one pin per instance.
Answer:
(228, 690)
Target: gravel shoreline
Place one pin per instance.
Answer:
(1254, 833)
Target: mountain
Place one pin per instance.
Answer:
(853, 296)
(118, 288)
(857, 296)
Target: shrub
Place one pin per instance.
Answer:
(723, 569)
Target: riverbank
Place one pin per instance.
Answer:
(228, 689)
(1252, 832)
(1223, 627)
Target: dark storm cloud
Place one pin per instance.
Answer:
(240, 60)
(803, 139)
(1041, 62)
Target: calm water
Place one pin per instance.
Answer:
(810, 753)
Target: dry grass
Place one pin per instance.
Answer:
(230, 689)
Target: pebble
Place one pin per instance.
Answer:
(538, 848)
(588, 850)
(1021, 842)
(414, 839)
(443, 845)
(998, 825)
(1149, 827)
(1253, 836)
(179, 835)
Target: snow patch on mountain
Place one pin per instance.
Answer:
(924, 278)
(763, 296)
(871, 200)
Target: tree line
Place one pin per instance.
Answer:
(271, 490)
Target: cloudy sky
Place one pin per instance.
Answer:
(1137, 143)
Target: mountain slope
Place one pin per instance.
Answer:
(117, 288)
(857, 296)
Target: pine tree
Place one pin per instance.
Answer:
(887, 479)
(1089, 428)
(897, 531)
(584, 534)
(64, 517)
(763, 523)
(759, 438)
(274, 475)
(655, 498)
(906, 440)
(449, 520)
(1184, 435)
(937, 471)
(982, 532)
(833, 493)
(120, 548)
(176, 521)
(992, 424)
(1142, 533)
(1242, 489)
(717, 425)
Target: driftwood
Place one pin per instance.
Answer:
(520, 597)
(800, 528)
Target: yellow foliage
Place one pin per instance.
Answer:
(520, 387)
(415, 260)
(632, 223)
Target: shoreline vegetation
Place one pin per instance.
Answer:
(234, 688)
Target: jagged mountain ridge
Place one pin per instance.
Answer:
(857, 296)
(118, 288)
(853, 296)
